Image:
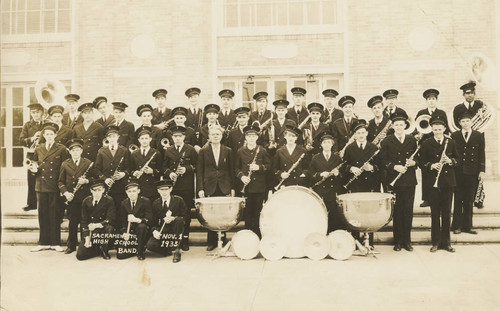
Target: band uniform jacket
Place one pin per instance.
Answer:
(209, 174)
(279, 132)
(398, 110)
(471, 154)
(329, 117)
(374, 129)
(236, 140)
(190, 137)
(142, 210)
(341, 132)
(146, 181)
(227, 120)
(159, 117)
(106, 165)
(28, 131)
(261, 117)
(283, 161)
(64, 134)
(49, 164)
(127, 133)
(195, 119)
(110, 120)
(186, 157)
(104, 213)
(92, 139)
(156, 136)
(461, 108)
(244, 158)
(315, 133)
(71, 123)
(69, 175)
(331, 186)
(437, 112)
(393, 152)
(298, 119)
(159, 211)
(430, 153)
(355, 156)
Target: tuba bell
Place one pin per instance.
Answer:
(50, 92)
(422, 124)
(410, 126)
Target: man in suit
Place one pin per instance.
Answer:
(214, 173)
(236, 137)
(261, 113)
(331, 113)
(314, 129)
(470, 104)
(161, 114)
(89, 131)
(30, 136)
(440, 164)
(341, 128)
(195, 117)
(145, 113)
(251, 166)
(391, 99)
(64, 134)
(47, 161)
(169, 215)
(396, 156)
(73, 116)
(226, 118)
(298, 113)
(212, 113)
(101, 105)
(287, 156)
(133, 218)
(145, 164)
(98, 215)
(469, 170)
(179, 165)
(73, 184)
(127, 131)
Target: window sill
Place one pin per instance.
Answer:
(279, 30)
(38, 37)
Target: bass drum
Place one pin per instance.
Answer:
(291, 214)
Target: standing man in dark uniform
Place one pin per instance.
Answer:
(469, 170)
(261, 113)
(379, 121)
(161, 114)
(469, 105)
(145, 113)
(391, 99)
(212, 113)
(236, 137)
(298, 113)
(287, 156)
(314, 129)
(65, 133)
(89, 131)
(278, 127)
(145, 164)
(226, 115)
(396, 155)
(101, 105)
(73, 116)
(215, 173)
(179, 165)
(195, 117)
(127, 131)
(179, 114)
(29, 138)
(331, 113)
(47, 159)
(440, 166)
(252, 164)
(341, 128)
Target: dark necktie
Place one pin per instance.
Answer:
(165, 205)
(143, 152)
(178, 148)
(133, 205)
(95, 203)
(466, 135)
(439, 141)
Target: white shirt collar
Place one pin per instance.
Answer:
(145, 149)
(166, 201)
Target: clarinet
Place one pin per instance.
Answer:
(330, 174)
(353, 178)
(179, 165)
(406, 166)
(114, 173)
(254, 161)
(143, 168)
(441, 161)
(79, 184)
(289, 171)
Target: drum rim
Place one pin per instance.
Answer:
(223, 199)
(365, 196)
(301, 188)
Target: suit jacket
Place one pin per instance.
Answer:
(106, 164)
(354, 156)
(159, 117)
(110, 120)
(471, 154)
(147, 181)
(209, 174)
(104, 212)
(159, 211)
(142, 210)
(341, 132)
(437, 112)
(127, 133)
(71, 123)
(283, 161)
(29, 129)
(328, 117)
(374, 129)
(188, 158)
(430, 153)
(69, 175)
(398, 111)
(393, 152)
(292, 115)
(49, 163)
(461, 108)
(331, 186)
(92, 139)
(244, 158)
(224, 120)
(193, 119)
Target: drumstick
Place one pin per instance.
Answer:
(169, 213)
(128, 230)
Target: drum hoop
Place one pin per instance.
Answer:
(302, 189)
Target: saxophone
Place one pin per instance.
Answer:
(382, 134)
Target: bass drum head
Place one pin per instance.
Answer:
(272, 247)
(342, 245)
(291, 214)
(245, 244)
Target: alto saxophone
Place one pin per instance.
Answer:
(382, 134)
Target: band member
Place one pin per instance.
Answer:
(440, 165)
(324, 167)
(127, 131)
(298, 112)
(98, 215)
(287, 157)
(314, 129)
(470, 104)
(226, 118)
(46, 163)
(145, 164)
(169, 215)
(212, 113)
(331, 113)
(179, 165)
(261, 113)
(101, 105)
(73, 116)
(134, 215)
(471, 168)
(179, 114)
(145, 113)
(276, 133)
(398, 157)
(64, 134)
(391, 99)
(111, 164)
(195, 117)
(252, 163)
(89, 131)
(431, 98)
(73, 185)
(215, 172)
(378, 124)
(161, 114)
(341, 128)
(236, 137)
(29, 138)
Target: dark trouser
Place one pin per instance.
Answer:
(212, 235)
(48, 218)
(427, 183)
(335, 217)
(83, 253)
(141, 230)
(188, 197)
(31, 201)
(75, 217)
(253, 208)
(118, 197)
(440, 212)
(175, 227)
(465, 193)
(384, 181)
(403, 214)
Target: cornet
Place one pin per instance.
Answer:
(165, 143)
(105, 142)
(35, 141)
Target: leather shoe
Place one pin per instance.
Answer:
(177, 257)
(408, 247)
(141, 256)
(105, 254)
(397, 247)
(185, 245)
(425, 204)
(457, 231)
(211, 248)
(434, 248)
(449, 249)
(28, 208)
(470, 231)
(69, 250)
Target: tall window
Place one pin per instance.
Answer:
(35, 16)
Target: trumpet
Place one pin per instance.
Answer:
(353, 178)
(132, 148)
(442, 162)
(165, 143)
(105, 142)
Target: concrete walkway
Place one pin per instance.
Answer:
(466, 280)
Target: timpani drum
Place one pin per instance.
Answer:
(220, 213)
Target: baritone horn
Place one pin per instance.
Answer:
(50, 92)
(410, 126)
(422, 124)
